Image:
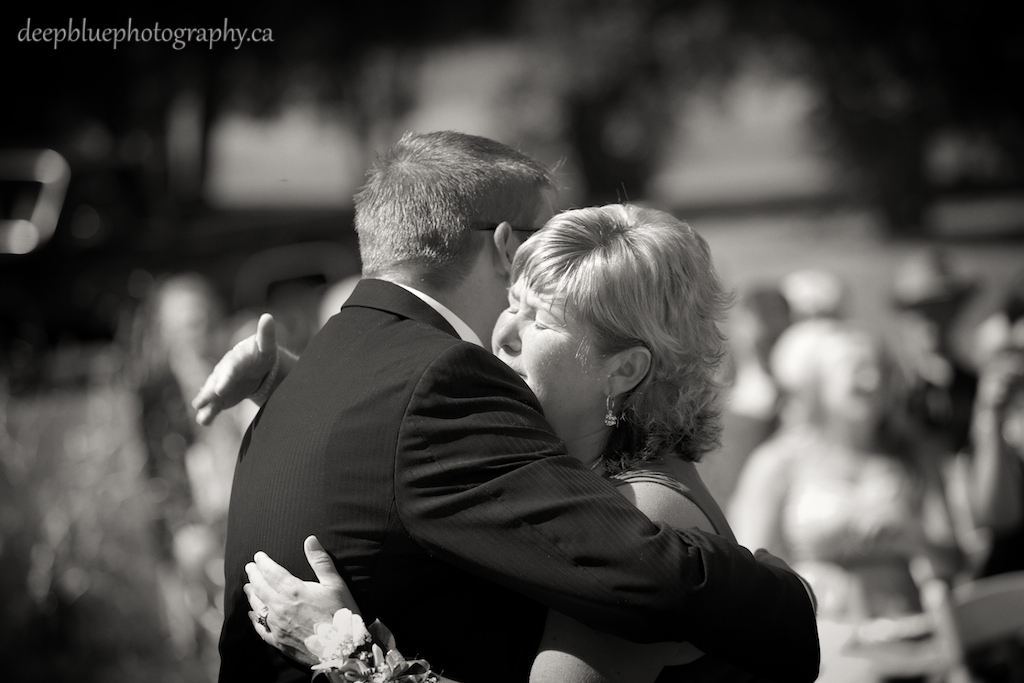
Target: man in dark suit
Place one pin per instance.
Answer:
(427, 470)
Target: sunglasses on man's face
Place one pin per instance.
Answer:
(493, 226)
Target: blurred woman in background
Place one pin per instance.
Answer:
(751, 408)
(840, 491)
(178, 332)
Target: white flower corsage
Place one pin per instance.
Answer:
(349, 652)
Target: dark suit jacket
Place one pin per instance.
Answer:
(425, 467)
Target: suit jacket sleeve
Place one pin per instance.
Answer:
(482, 483)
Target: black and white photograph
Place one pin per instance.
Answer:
(522, 341)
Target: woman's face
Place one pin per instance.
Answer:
(534, 337)
(852, 383)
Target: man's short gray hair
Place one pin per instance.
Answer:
(427, 196)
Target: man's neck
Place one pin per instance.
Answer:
(462, 300)
(477, 299)
(413, 282)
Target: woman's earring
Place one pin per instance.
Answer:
(610, 420)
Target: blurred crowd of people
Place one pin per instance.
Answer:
(873, 460)
(870, 460)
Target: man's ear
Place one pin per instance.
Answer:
(627, 369)
(505, 244)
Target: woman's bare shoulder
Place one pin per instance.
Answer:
(665, 505)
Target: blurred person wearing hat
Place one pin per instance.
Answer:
(996, 491)
(1005, 327)
(997, 462)
(995, 468)
(929, 296)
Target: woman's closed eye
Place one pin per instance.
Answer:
(545, 320)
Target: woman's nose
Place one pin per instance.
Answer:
(506, 335)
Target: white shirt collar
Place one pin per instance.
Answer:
(464, 331)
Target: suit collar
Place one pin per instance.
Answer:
(390, 298)
(464, 331)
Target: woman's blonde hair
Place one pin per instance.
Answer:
(800, 363)
(640, 277)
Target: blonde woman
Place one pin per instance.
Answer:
(612, 322)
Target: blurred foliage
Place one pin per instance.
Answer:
(78, 593)
(899, 83)
(897, 79)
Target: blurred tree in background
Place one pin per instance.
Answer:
(919, 96)
(916, 96)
